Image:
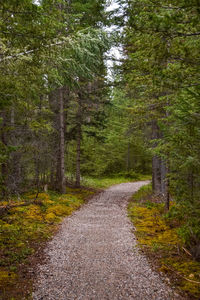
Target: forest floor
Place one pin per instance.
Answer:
(159, 236)
(95, 255)
(26, 224)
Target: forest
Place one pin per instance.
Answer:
(70, 124)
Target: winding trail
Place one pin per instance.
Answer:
(95, 257)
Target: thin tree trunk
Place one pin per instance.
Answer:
(167, 164)
(52, 175)
(156, 162)
(37, 172)
(163, 173)
(78, 148)
(4, 165)
(167, 198)
(128, 158)
(62, 143)
(78, 157)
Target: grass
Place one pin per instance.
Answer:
(159, 239)
(24, 228)
(109, 181)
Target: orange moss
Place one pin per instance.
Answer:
(40, 196)
(60, 210)
(50, 217)
(7, 277)
(34, 213)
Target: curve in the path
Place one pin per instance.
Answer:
(95, 256)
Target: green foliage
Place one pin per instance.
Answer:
(38, 56)
(112, 149)
(143, 193)
(160, 71)
(188, 216)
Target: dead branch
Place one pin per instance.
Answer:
(177, 273)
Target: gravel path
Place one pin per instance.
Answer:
(95, 257)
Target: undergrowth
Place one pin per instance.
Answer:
(24, 228)
(108, 181)
(159, 237)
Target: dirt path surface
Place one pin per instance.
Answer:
(95, 257)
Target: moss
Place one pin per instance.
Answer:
(60, 210)
(158, 236)
(34, 213)
(41, 196)
(7, 277)
(18, 209)
(4, 203)
(24, 228)
(188, 273)
(151, 228)
(50, 217)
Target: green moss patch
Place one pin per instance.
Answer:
(24, 228)
(159, 239)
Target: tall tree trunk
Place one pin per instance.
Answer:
(37, 172)
(62, 143)
(78, 148)
(128, 158)
(4, 165)
(156, 162)
(165, 182)
(163, 173)
(156, 175)
(53, 103)
(160, 169)
(167, 187)
(59, 101)
(78, 157)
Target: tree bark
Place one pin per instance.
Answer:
(59, 102)
(78, 148)
(78, 157)
(167, 198)
(156, 163)
(156, 175)
(128, 158)
(163, 173)
(62, 143)
(160, 169)
(4, 165)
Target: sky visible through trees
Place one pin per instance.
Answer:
(115, 51)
